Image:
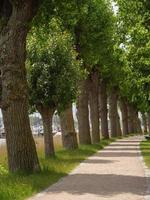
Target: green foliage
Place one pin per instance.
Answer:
(113, 72)
(91, 23)
(53, 70)
(133, 35)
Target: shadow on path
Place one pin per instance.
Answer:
(99, 161)
(127, 141)
(118, 154)
(125, 145)
(106, 184)
(121, 149)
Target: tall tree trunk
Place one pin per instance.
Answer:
(124, 112)
(94, 107)
(148, 121)
(139, 126)
(137, 123)
(69, 136)
(103, 110)
(144, 119)
(119, 131)
(20, 144)
(82, 102)
(134, 114)
(130, 119)
(83, 114)
(113, 114)
(47, 116)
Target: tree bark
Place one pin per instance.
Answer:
(83, 114)
(137, 123)
(82, 102)
(134, 116)
(144, 119)
(134, 124)
(20, 144)
(124, 112)
(119, 131)
(69, 136)
(130, 119)
(103, 110)
(148, 121)
(47, 116)
(113, 114)
(139, 128)
(94, 107)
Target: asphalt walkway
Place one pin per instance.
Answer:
(115, 173)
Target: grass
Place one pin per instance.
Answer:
(20, 186)
(145, 149)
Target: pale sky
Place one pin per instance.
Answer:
(115, 7)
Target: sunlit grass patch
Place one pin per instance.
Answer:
(145, 148)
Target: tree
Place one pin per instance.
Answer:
(94, 105)
(91, 23)
(111, 75)
(124, 111)
(148, 121)
(136, 37)
(113, 113)
(144, 120)
(69, 137)
(133, 24)
(103, 109)
(53, 75)
(15, 17)
(83, 114)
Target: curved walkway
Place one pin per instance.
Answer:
(115, 173)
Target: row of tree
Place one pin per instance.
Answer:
(53, 53)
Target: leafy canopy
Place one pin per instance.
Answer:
(133, 26)
(53, 70)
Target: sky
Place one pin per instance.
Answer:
(115, 7)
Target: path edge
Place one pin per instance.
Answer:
(147, 175)
(43, 192)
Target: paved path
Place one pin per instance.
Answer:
(115, 173)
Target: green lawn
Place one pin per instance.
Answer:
(21, 186)
(145, 148)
